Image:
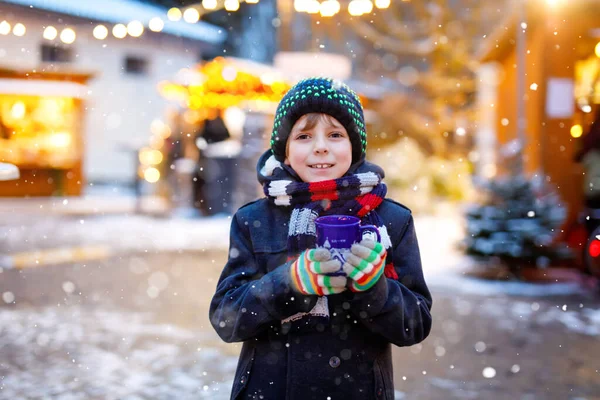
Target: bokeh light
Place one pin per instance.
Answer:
(68, 35)
(100, 32)
(119, 31)
(50, 33)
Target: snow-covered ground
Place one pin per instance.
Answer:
(74, 353)
(65, 348)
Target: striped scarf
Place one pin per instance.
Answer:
(358, 194)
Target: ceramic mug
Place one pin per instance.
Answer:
(339, 232)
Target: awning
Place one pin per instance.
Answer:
(40, 87)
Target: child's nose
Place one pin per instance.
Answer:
(320, 145)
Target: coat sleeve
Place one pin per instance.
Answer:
(248, 300)
(398, 310)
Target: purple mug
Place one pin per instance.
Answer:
(339, 232)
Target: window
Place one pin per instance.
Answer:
(56, 54)
(136, 65)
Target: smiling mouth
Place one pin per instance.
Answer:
(321, 166)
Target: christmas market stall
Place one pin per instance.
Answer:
(41, 119)
(220, 107)
(560, 57)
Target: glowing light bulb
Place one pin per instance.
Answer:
(576, 131)
(135, 28)
(382, 3)
(313, 7)
(100, 32)
(119, 31)
(301, 5)
(50, 33)
(152, 175)
(68, 35)
(156, 24)
(231, 5)
(19, 29)
(355, 8)
(329, 8)
(209, 4)
(174, 14)
(191, 16)
(4, 28)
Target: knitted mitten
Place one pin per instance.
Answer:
(364, 265)
(309, 273)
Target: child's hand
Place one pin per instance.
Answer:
(309, 273)
(364, 265)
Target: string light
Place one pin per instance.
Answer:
(174, 14)
(598, 50)
(50, 33)
(119, 31)
(209, 4)
(367, 6)
(156, 24)
(232, 5)
(313, 7)
(19, 29)
(4, 28)
(135, 28)
(301, 5)
(191, 16)
(152, 175)
(576, 131)
(100, 32)
(355, 8)
(329, 8)
(68, 35)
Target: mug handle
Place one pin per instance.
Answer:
(370, 228)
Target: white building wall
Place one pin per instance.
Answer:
(120, 106)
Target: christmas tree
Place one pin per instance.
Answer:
(517, 222)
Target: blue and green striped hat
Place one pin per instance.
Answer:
(320, 95)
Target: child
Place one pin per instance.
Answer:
(307, 334)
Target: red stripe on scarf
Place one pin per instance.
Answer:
(322, 186)
(390, 271)
(325, 196)
(368, 202)
(323, 190)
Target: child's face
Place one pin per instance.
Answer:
(319, 148)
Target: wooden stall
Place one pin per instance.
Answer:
(41, 131)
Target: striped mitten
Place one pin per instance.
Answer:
(364, 265)
(309, 273)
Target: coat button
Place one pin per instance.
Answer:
(334, 362)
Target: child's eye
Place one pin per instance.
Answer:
(337, 134)
(302, 136)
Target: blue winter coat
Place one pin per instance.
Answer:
(346, 357)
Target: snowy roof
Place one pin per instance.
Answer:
(124, 11)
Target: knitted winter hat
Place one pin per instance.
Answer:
(320, 95)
